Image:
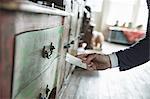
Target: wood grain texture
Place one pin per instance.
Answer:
(109, 84)
(33, 21)
(72, 25)
(72, 36)
(64, 40)
(62, 64)
(4, 1)
(12, 23)
(6, 53)
(29, 63)
(65, 69)
(38, 85)
(30, 7)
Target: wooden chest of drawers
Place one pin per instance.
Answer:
(33, 41)
(30, 45)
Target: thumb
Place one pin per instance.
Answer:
(90, 58)
(82, 56)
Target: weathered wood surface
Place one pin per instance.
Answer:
(4, 1)
(33, 21)
(28, 6)
(72, 24)
(38, 85)
(12, 23)
(70, 27)
(65, 38)
(6, 53)
(29, 63)
(62, 52)
(72, 36)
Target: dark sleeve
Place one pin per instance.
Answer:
(137, 54)
(134, 56)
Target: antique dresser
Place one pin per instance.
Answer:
(34, 40)
(30, 45)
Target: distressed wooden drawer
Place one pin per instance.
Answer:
(30, 66)
(38, 85)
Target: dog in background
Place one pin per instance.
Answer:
(97, 40)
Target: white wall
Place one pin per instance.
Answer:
(100, 18)
(97, 20)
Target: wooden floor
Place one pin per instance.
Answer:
(110, 83)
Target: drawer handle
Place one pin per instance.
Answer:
(41, 96)
(44, 96)
(47, 90)
(69, 44)
(48, 51)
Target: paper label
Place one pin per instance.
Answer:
(75, 61)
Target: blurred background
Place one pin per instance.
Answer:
(119, 21)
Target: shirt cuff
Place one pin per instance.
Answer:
(114, 60)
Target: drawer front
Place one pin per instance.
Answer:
(30, 62)
(37, 86)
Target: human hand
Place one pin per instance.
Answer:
(95, 61)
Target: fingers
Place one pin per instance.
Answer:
(82, 56)
(91, 67)
(87, 58)
(90, 58)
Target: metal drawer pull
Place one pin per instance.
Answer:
(47, 51)
(44, 95)
(68, 45)
(47, 90)
(41, 97)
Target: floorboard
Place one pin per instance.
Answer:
(110, 83)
